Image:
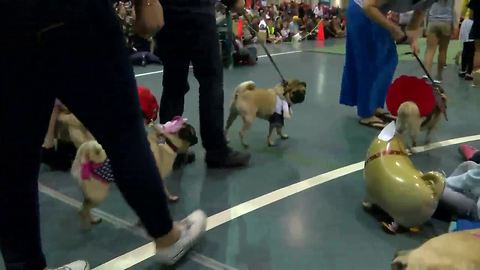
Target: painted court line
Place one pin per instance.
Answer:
(147, 251)
(123, 224)
(260, 56)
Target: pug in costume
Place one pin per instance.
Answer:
(272, 104)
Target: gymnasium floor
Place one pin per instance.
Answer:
(296, 207)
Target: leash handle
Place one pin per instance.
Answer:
(249, 23)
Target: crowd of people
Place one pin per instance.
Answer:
(282, 22)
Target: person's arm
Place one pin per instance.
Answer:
(413, 29)
(371, 9)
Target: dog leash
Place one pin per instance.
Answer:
(436, 88)
(249, 24)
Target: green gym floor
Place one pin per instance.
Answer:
(297, 206)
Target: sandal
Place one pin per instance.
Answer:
(386, 116)
(373, 124)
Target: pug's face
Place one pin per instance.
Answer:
(187, 133)
(295, 91)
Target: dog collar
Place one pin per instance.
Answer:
(385, 153)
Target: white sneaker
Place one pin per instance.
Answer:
(191, 229)
(78, 265)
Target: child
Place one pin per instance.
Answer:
(285, 32)
(468, 52)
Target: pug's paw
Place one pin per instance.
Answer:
(271, 143)
(284, 137)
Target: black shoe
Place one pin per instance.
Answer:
(184, 159)
(462, 74)
(228, 159)
(468, 77)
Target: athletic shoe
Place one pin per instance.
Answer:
(78, 265)
(462, 74)
(468, 77)
(191, 229)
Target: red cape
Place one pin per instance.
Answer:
(409, 88)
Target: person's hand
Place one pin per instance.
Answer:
(397, 34)
(413, 40)
(455, 32)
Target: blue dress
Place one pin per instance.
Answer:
(370, 63)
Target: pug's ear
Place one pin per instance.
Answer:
(304, 84)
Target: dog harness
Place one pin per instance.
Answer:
(102, 172)
(282, 111)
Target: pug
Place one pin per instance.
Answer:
(93, 171)
(167, 141)
(410, 123)
(272, 104)
(452, 251)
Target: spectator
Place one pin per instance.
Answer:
(441, 21)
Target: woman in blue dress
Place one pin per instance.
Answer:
(371, 55)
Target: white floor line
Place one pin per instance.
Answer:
(148, 73)
(260, 56)
(201, 259)
(277, 54)
(142, 253)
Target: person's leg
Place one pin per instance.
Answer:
(442, 56)
(476, 59)
(463, 67)
(174, 49)
(25, 107)
(355, 88)
(470, 54)
(432, 43)
(49, 141)
(208, 70)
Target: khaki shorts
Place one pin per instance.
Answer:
(440, 28)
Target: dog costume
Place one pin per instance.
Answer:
(409, 88)
(102, 172)
(282, 111)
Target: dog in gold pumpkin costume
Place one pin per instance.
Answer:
(393, 183)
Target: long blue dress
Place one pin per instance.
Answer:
(370, 62)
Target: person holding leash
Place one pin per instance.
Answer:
(371, 54)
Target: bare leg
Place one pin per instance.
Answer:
(432, 43)
(476, 59)
(49, 141)
(442, 55)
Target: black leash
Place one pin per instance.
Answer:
(249, 23)
(436, 88)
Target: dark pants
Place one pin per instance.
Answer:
(468, 54)
(96, 82)
(191, 37)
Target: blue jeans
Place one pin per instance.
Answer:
(75, 51)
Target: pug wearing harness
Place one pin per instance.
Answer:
(418, 106)
(94, 173)
(273, 104)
